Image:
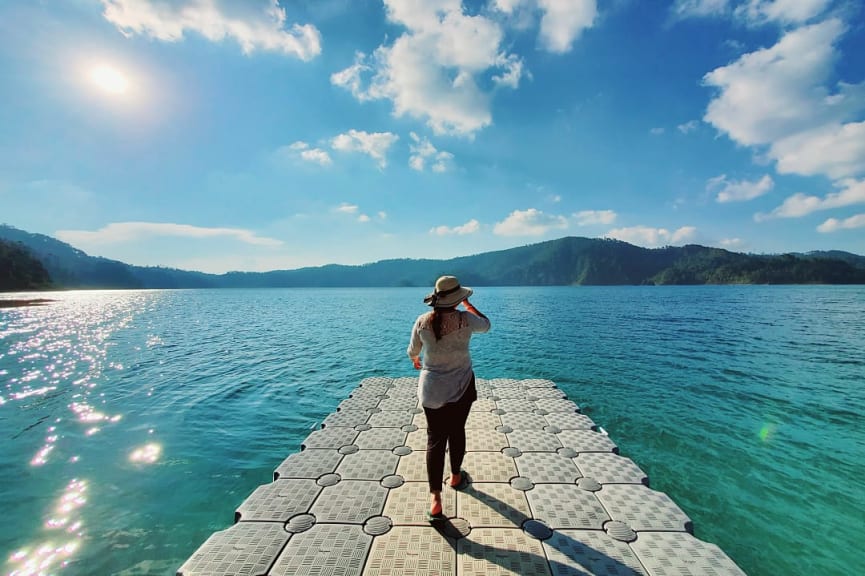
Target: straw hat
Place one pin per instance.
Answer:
(448, 293)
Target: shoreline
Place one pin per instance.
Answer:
(25, 302)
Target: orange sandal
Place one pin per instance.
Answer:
(462, 483)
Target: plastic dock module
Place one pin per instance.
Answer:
(547, 493)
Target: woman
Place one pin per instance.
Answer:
(446, 386)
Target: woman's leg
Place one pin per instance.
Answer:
(457, 436)
(437, 438)
(446, 429)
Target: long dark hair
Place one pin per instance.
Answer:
(436, 320)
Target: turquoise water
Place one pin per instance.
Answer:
(134, 423)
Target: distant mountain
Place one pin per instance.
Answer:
(854, 259)
(700, 265)
(20, 270)
(72, 268)
(566, 261)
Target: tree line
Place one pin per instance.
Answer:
(35, 261)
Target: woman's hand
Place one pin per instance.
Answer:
(472, 310)
(416, 362)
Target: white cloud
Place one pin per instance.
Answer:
(255, 25)
(350, 78)
(513, 72)
(777, 99)
(531, 222)
(732, 243)
(439, 68)
(653, 237)
(422, 151)
(757, 12)
(442, 162)
(118, 232)
(739, 190)
(433, 70)
(563, 21)
(833, 224)
(374, 144)
(688, 127)
(593, 217)
(836, 150)
(302, 150)
(753, 12)
(508, 6)
(699, 8)
(470, 227)
(352, 209)
(772, 93)
(656, 131)
(798, 205)
(317, 155)
(347, 208)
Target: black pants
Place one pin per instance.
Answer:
(446, 427)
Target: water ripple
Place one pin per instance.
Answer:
(153, 414)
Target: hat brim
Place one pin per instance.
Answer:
(450, 300)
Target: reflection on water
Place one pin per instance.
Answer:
(41, 456)
(175, 405)
(64, 531)
(147, 454)
(56, 360)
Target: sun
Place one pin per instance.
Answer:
(109, 80)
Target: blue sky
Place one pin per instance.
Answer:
(222, 135)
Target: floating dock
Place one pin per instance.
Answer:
(548, 494)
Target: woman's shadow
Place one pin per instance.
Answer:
(572, 557)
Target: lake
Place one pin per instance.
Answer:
(133, 423)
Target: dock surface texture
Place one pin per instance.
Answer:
(547, 494)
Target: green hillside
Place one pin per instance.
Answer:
(20, 270)
(562, 262)
(72, 268)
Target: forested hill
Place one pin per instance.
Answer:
(72, 268)
(20, 270)
(566, 261)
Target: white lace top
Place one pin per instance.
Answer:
(447, 364)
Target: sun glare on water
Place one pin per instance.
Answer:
(147, 454)
(109, 80)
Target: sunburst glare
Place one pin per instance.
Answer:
(147, 454)
(109, 79)
(63, 532)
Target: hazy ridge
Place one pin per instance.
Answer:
(565, 261)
